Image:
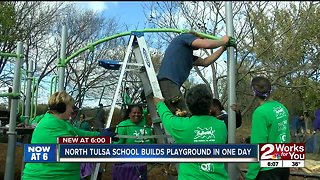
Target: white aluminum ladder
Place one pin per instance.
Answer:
(137, 45)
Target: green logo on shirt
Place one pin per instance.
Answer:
(140, 132)
(204, 134)
(279, 112)
(207, 167)
(282, 126)
(283, 138)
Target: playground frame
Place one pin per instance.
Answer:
(63, 61)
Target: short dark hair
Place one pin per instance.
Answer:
(217, 103)
(129, 109)
(199, 99)
(261, 87)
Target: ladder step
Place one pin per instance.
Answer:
(110, 64)
(115, 65)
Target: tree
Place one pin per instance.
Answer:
(272, 40)
(198, 16)
(38, 26)
(83, 72)
(27, 22)
(286, 48)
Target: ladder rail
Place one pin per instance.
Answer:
(145, 56)
(123, 69)
(115, 97)
(150, 84)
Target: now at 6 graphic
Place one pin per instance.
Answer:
(285, 151)
(40, 153)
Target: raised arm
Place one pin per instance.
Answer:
(210, 59)
(209, 43)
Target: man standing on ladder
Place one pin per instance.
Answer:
(177, 63)
(176, 66)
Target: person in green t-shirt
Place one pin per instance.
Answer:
(20, 119)
(270, 124)
(126, 98)
(200, 128)
(55, 123)
(134, 125)
(83, 123)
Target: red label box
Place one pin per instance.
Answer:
(286, 151)
(84, 140)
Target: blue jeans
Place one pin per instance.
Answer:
(301, 125)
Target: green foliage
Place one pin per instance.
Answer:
(7, 21)
(287, 51)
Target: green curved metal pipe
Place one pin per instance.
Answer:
(53, 85)
(89, 47)
(11, 55)
(34, 97)
(13, 95)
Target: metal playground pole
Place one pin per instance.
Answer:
(232, 167)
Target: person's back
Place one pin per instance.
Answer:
(178, 59)
(270, 124)
(47, 131)
(200, 128)
(272, 119)
(177, 63)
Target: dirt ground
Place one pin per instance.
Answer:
(155, 170)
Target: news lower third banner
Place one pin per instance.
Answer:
(141, 153)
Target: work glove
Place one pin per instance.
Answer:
(110, 133)
(231, 42)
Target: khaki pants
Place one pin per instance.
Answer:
(173, 96)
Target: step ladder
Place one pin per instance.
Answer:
(137, 46)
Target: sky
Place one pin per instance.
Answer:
(129, 12)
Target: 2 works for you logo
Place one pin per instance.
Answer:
(286, 151)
